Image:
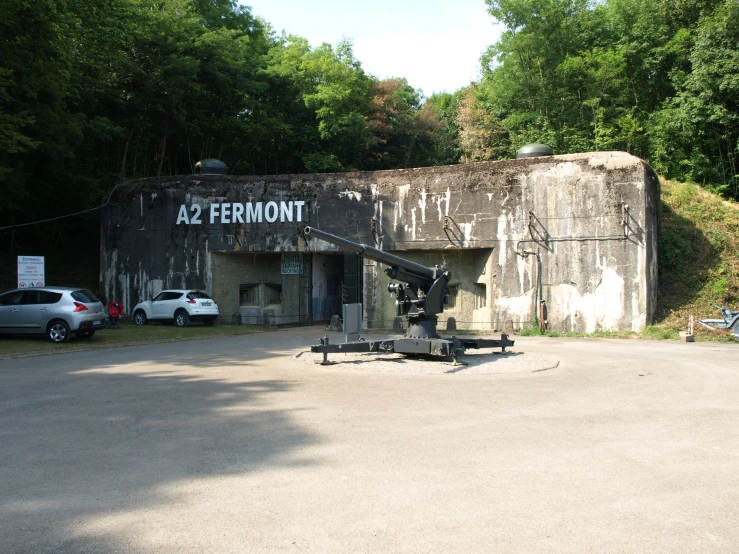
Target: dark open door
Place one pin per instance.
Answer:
(351, 292)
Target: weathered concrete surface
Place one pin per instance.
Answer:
(577, 231)
(228, 446)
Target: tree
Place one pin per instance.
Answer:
(481, 135)
(635, 75)
(401, 130)
(696, 133)
(340, 100)
(442, 109)
(38, 132)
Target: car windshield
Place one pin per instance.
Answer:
(84, 296)
(198, 295)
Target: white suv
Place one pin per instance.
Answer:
(179, 306)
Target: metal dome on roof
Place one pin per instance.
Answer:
(534, 150)
(211, 166)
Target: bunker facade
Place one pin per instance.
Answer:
(570, 239)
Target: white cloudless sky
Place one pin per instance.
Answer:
(435, 44)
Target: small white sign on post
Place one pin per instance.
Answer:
(31, 272)
(352, 321)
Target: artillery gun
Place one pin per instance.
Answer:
(729, 325)
(420, 299)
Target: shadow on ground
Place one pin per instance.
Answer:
(83, 438)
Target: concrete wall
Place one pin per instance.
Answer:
(580, 228)
(230, 271)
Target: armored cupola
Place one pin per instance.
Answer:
(534, 151)
(211, 166)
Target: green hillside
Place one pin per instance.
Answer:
(698, 255)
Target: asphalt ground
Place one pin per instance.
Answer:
(234, 445)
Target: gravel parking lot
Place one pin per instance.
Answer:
(238, 444)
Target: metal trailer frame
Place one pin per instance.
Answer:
(443, 347)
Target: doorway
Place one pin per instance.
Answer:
(337, 280)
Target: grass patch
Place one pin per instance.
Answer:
(698, 259)
(128, 334)
(534, 332)
(651, 332)
(655, 332)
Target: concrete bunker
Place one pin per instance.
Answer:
(577, 233)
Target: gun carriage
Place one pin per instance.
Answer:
(728, 325)
(420, 299)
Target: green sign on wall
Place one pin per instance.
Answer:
(292, 264)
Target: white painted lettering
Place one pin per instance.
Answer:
(286, 211)
(196, 218)
(254, 212)
(248, 212)
(182, 216)
(299, 204)
(225, 213)
(238, 213)
(271, 206)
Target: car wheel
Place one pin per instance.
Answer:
(181, 318)
(209, 322)
(85, 334)
(139, 317)
(58, 331)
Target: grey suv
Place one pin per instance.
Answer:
(54, 311)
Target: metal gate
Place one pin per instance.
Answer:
(305, 289)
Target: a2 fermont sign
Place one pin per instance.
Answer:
(238, 212)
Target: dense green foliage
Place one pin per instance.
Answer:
(94, 91)
(657, 78)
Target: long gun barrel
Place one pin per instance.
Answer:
(374, 254)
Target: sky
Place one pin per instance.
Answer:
(435, 44)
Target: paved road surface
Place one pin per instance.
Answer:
(230, 446)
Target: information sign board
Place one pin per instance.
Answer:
(31, 272)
